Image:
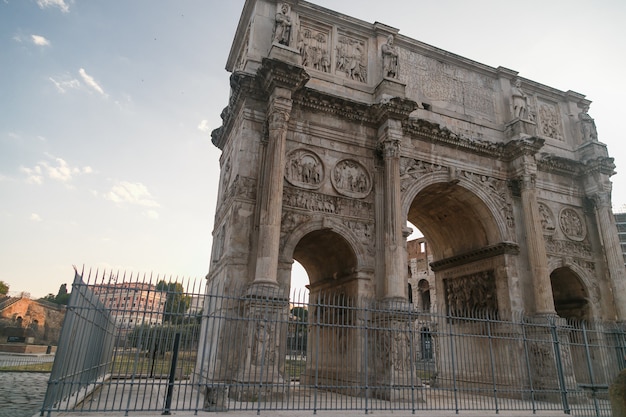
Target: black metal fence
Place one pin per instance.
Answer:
(152, 344)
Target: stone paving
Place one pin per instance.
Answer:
(22, 393)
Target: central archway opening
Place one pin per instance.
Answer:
(457, 225)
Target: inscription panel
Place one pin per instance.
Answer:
(430, 79)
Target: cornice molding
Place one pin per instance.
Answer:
(503, 248)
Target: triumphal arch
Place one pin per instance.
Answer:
(338, 131)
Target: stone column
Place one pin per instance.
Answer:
(279, 80)
(390, 114)
(535, 244)
(613, 252)
(395, 271)
(271, 191)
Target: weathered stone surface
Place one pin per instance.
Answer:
(617, 393)
(339, 131)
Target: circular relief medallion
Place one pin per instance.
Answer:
(304, 169)
(572, 225)
(351, 179)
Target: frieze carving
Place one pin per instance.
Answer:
(471, 293)
(303, 168)
(351, 179)
(568, 247)
(351, 58)
(547, 219)
(572, 225)
(313, 45)
(549, 121)
(318, 202)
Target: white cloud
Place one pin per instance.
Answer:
(91, 82)
(64, 85)
(40, 40)
(204, 126)
(59, 170)
(54, 3)
(35, 217)
(132, 193)
(33, 175)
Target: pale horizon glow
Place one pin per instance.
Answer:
(107, 108)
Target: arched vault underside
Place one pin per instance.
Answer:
(453, 219)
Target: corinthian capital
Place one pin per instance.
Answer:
(390, 149)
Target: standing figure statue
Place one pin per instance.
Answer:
(588, 126)
(390, 59)
(282, 27)
(519, 100)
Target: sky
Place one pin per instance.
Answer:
(106, 109)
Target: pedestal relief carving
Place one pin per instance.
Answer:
(351, 179)
(549, 120)
(304, 169)
(572, 225)
(314, 47)
(351, 58)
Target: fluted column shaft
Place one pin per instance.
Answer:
(612, 249)
(536, 247)
(271, 196)
(395, 285)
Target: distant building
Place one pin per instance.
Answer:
(43, 319)
(421, 277)
(195, 305)
(133, 303)
(620, 220)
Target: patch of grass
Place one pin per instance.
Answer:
(295, 367)
(32, 367)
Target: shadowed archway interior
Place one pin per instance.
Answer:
(326, 256)
(453, 219)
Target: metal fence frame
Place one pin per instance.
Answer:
(244, 350)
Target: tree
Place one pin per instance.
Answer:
(62, 296)
(4, 288)
(176, 302)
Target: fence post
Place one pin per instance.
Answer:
(559, 365)
(528, 367)
(170, 385)
(592, 378)
(493, 364)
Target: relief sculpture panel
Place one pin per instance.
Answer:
(314, 46)
(471, 293)
(351, 58)
(351, 179)
(304, 169)
(572, 225)
(549, 120)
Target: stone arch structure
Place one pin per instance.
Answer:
(340, 132)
